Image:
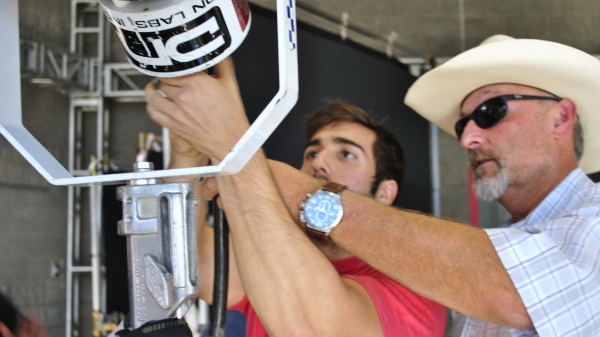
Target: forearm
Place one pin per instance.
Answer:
(292, 286)
(451, 263)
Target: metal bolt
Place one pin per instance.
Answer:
(143, 166)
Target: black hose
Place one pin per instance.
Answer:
(219, 304)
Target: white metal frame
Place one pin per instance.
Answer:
(81, 104)
(50, 66)
(123, 72)
(12, 128)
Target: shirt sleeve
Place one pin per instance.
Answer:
(555, 267)
(401, 311)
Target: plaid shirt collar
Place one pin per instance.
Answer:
(564, 197)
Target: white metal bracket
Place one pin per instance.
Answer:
(11, 124)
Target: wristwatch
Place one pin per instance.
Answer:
(323, 210)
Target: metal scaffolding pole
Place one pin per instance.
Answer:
(91, 101)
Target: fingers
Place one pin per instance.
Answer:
(209, 188)
(181, 147)
(206, 112)
(220, 203)
(4, 331)
(172, 91)
(225, 71)
(153, 97)
(158, 105)
(182, 81)
(176, 81)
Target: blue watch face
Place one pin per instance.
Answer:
(323, 210)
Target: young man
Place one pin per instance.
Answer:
(343, 296)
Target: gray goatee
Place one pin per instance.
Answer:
(488, 188)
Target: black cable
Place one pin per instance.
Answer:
(172, 327)
(219, 304)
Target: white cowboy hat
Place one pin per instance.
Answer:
(561, 70)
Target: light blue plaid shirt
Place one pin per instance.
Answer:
(553, 259)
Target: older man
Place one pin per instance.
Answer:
(280, 278)
(520, 108)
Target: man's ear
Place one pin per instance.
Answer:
(386, 192)
(565, 118)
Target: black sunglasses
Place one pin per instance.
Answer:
(490, 112)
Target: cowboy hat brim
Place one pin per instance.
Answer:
(561, 70)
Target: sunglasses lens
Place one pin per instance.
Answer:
(490, 112)
(459, 127)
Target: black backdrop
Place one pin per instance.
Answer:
(329, 68)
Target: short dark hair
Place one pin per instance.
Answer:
(388, 153)
(578, 138)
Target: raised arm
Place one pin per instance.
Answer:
(292, 286)
(451, 263)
